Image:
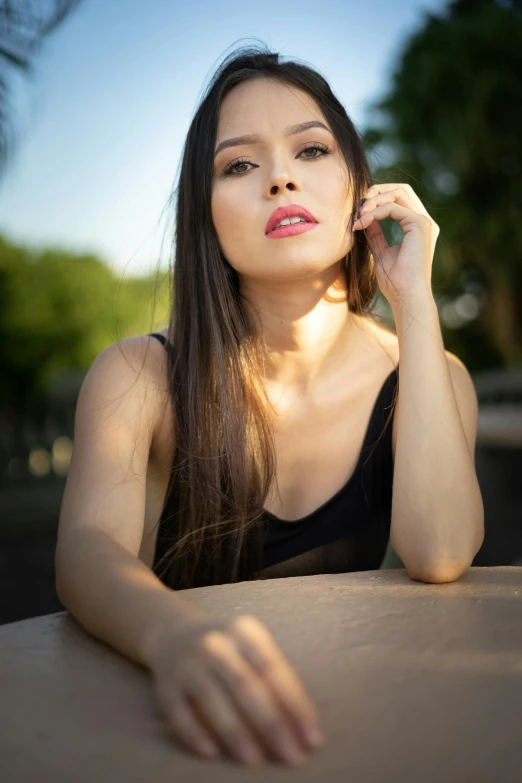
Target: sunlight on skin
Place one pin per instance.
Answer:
(295, 283)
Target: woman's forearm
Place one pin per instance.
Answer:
(437, 514)
(116, 597)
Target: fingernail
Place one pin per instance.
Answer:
(208, 748)
(250, 753)
(290, 751)
(314, 736)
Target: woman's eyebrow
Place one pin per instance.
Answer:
(254, 138)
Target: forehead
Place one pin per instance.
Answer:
(265, 106)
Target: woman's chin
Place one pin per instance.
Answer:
(292, 269)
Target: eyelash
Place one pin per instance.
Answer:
(229, 169)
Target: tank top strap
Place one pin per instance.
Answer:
(163, 340)
(158, 336)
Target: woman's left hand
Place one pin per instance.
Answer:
(403, 271)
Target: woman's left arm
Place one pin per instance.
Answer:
(437, 524)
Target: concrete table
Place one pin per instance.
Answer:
(414, 683)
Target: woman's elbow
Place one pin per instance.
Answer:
(439, 573)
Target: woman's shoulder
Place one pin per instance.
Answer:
(146, 358)
(142, 359)
(155, 361)
(383, 339)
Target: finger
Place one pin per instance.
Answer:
(381, 187)
(258, 646)
(253, 698)
(386, 187)
(377, 241)
(398, 196)
(182, 723)
(406, 217)
(373, 232)
(217, 711)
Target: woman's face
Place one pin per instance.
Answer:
(280, 171)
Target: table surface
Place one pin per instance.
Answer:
(413, 682)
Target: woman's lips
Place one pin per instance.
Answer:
(290, 230)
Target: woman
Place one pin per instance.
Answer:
(276, 359)
(269, 423)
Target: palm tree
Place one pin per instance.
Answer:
(23, 26)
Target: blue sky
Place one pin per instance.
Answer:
(102, 122)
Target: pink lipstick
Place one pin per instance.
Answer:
(289, 211)
(289, 231)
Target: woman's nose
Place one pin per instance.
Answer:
(275, 187)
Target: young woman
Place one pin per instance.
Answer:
(262, 433)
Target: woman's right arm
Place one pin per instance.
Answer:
(99, 577)
(225, 672)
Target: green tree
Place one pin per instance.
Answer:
(58, 311)
(452, 121)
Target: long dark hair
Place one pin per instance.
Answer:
(224, 453)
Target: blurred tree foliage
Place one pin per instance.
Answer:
(58, 311)
(451, 126)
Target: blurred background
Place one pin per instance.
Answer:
(95, 102)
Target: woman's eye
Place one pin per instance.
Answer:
(231, 168)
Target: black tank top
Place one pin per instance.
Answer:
(350, 531)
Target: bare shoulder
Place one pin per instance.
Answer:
(151, 355)
(382, 338)
(136, 367)
(146, 360)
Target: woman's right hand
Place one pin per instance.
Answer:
(230, 685)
